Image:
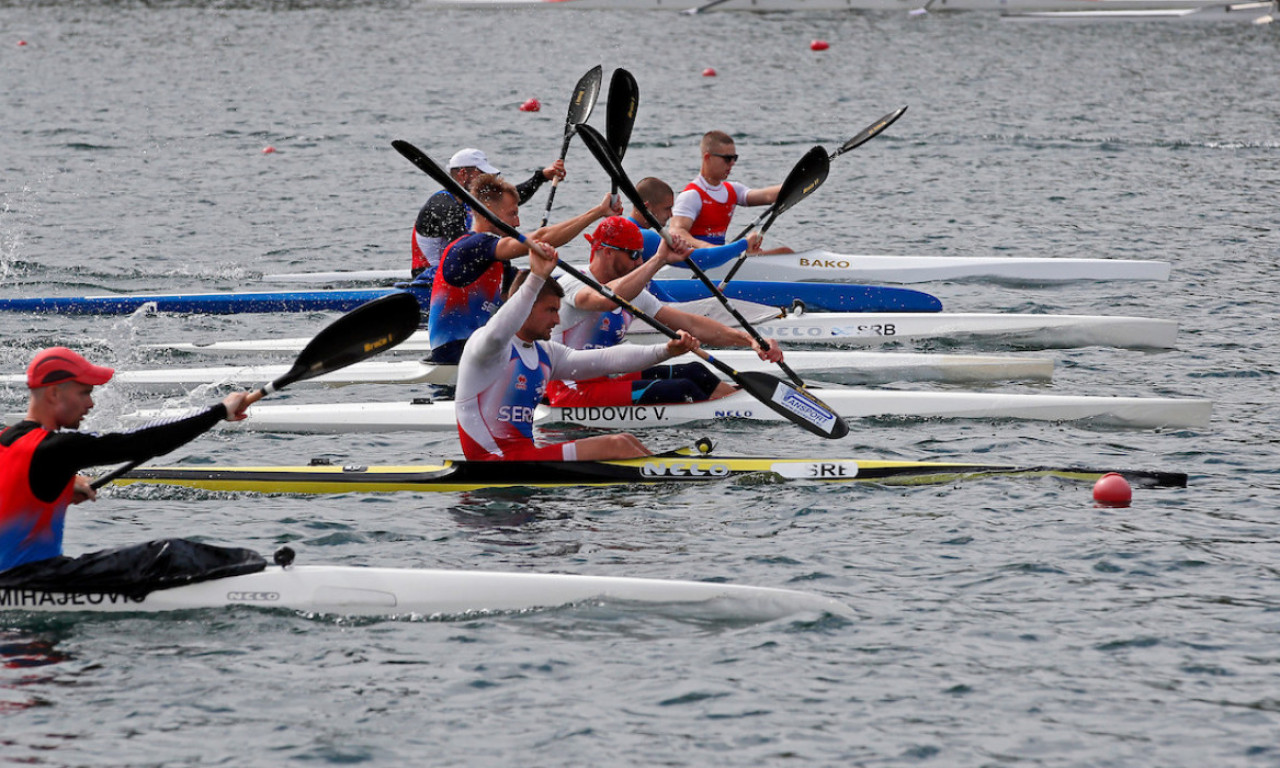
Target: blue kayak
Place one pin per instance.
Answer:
(206, 303)
(832, 297)
(829, 297)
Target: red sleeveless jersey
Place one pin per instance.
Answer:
(713, 219)
(30, 529)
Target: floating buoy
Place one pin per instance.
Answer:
(22, 42)
(708, 72)
(268, 150)
(819, 45)
(1112, 490)
(531, 105)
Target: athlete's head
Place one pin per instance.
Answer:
(619, 235)
(471, 159)
(657, 197)
(56, 365)
(718, 155)
(499, 196)
(61, 384)
(545, 313)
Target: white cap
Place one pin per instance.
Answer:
(471, 158)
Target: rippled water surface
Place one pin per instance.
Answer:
(1000, 622)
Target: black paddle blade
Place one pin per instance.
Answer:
(604, 154)
(797, 405)
(624, 99)
(425, 164)
(583, 99)
(869, 133)
(804, 179)
(365, 331)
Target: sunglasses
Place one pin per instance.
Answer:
(726, 158)
(633, 253)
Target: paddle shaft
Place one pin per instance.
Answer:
(580, 106)
(613, 166)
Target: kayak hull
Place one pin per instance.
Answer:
(452, 476)
(827, 267)
(867, 298)
(819, 296)
(429, 416)
(392, 592)
(846, 366)
(862, 329)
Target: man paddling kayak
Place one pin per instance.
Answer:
(444, 218)
(658, 199)
(39, 463)
(703, 211)
(468, 284)
(506, 367)
(592, 321)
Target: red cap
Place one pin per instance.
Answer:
(617, 232)
(58, 364)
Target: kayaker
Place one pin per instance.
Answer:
(473, 270)
(444, 218)
(658, 198)
(508, 364)
(703, 211)
(40, 461)
(591, 321)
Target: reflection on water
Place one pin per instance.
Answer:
(20, 654)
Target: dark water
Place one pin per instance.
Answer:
(999, 623)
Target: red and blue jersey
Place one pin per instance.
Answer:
(466, 292)
(30, 529)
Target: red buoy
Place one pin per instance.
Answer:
(1112, 490)
(819, 45)
(708, 72)
(22, 42)
(531, 105)
(268, 150)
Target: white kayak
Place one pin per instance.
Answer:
(828, 267)
(845, 366)
(426, 415)
(350, 591)
(855, 328)
(1250, 12)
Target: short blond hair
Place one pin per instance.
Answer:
(490, 188)
(714, 140)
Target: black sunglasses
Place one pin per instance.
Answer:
(634, 253)
(726, 158)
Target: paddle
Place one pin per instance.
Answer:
(613, 166)
(804, 179)
(358, 335)
(580, 106)
(795, 405)
(793, 190)
(705, 6)
(620, 118)
(869, 133)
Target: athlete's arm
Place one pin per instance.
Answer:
(765, 196)
(561, 233)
